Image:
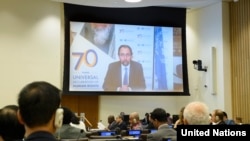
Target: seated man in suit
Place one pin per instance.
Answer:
(159, 120)
(217, 117)
(39, 110)
(111, 122)
(121, 125)
(10, 128)
(226, 120)
(126, 74)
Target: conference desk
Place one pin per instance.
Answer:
(103, 139)
(113, 138)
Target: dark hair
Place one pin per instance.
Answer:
(125, 46)
(10, 128)
(38, 102)
(159, 114)
(225, 114)
(69, 116)
(111, 118)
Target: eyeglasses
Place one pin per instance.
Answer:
(123, 55)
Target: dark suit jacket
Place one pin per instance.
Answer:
(164, 131)
(113, 77)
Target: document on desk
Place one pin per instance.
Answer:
(130, 138)
(100, 126)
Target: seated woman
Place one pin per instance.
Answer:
(134, 121)
(180, 121)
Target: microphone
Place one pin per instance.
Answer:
(81, 131)
(117, 130)
(119, 137)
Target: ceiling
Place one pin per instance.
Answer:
(190, 4)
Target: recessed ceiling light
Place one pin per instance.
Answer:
(132, 1)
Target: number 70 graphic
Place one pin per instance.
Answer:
(89, 58)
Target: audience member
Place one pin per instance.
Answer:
(210, 119)
(180, 121)
(238, 121)
(122, 113)
(134, 121)
(145, 120)
(196, 113)
(39, 111)
(10, 128)
(217, 117)
(226, 120)
(150, 124)
(120, 124)
(67, 131)
(170, 120)
(111, 122)
(159, 120)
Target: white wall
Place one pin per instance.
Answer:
(31, 49)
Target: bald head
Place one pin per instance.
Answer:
(196, 113)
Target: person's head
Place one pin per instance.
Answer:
(10, 128)
(102, 32)
(238, 120)
(38, 102)
(196, 113)
(158, 117)
(147, 116)
(69, 116)
(125, 54)
(134, 118)
(217, 116)
(225, 116)
(122, 113)
(119, 119)
(111, 118)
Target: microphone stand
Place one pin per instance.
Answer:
(88, 121)
(85, 119)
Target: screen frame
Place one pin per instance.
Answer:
(120, 16)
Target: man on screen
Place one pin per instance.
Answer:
(125, 74)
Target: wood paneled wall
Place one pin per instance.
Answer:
(83, 104)
(240, 58)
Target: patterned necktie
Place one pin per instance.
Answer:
(125, 78)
